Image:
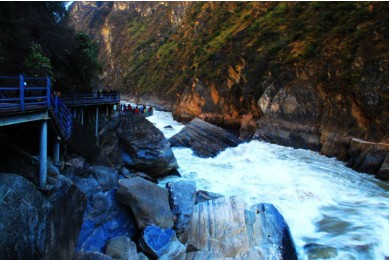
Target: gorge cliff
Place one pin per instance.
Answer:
(303, 74)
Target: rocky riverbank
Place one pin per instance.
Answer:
(105, 203)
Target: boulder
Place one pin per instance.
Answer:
(182, 196)
(203, 196)
(148, 202)
(36, 225)
(160, 243)
(286, 133)
(145, 148)
(227, 229)
(368, 157)
(122, 248)
(383, 173)
(91, 256)
(88, 186)
(205, 139)
(105, 176)
(75, 166)
(104, 218)
(267, 228)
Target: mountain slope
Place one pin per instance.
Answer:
(304, 74)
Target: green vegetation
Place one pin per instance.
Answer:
(36, 63)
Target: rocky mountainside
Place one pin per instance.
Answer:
(304, 74)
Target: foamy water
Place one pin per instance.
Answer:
(323, 201)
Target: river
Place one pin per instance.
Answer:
(323, 201)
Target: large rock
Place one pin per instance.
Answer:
(91, 256)
(104, 218)
(368, 157)
(148, 202)
(145, 147)
(106, 177)
(38, 226)
(122, 248)
(182, 195)
(160, 243)
(383, 173)
(225, 228)
(205, 139)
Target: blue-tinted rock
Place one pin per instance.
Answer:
(274, 235)
(104, 219)
(182, 196)
(155, 241)
(35, 225)
(87, 185)
(91, 256)
(148, 202)
(105, 176)
(145, 148)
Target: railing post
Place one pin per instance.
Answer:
(43, 156)
(48, 85)
(56, 105)
(21, 92)
(97, 125)
(57, 151)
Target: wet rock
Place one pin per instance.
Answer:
(287, 133)
(161, 243)
(145, 148)
(317, 251)
(181, 199)
(104, 218)
(205, 139)
(367, 156)
(267, 227)
(91, 256)
(34, 225)
(203, 196)
(75, 166)
(224, 227)
(105, 176)
(383, 173)
(88, 186)
(148, 202)
(122, 248)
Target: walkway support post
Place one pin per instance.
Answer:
(97, 125)
(57, 151)
(82, 116)
(106, 111)
(21, 92)
(43, 156)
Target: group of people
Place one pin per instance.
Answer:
(137, 110)
(105, 93)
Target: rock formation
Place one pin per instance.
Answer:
(252, 67)
(206, 140)
(35, 225)
(145, 148)
(148, 202)
(223, 228)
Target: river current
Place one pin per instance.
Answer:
(322, 200)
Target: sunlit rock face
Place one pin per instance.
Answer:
(250, 68)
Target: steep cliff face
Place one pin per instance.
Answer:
(311, 74)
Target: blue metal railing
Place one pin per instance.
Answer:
(62, 116)
(90, 99)
(23, 94)
(19, 94)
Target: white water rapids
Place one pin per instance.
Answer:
(322, 201)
